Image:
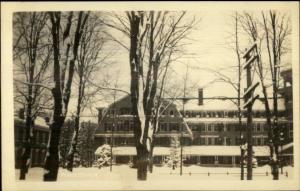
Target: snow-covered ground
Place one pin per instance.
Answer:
(123, 177)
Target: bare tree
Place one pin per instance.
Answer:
(32, 55)
(62, 83)
(153, 38)
(274, 33)
(157, 32)
(89, 62)
(276, 29)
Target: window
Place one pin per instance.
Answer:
(107, 126)
(197, 141)
(265, 127)
(202, 127)
(174, 126)
(258, 129)
(208, 127)
(171, 112)
(228, 141)
(216, 141)
(227, 128)
(258, 141)
(44, 138)
(209, 142)
(219, 127)
(37, 137)
(163, 126)
(111, 112)
(202, 141)
(237, 141)
(187, 114)
(290, 131)
(125, 111)
(126, 125)
(265, 141)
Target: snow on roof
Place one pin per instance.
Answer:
(224, 120)
(39, 121)
(287, 146)
(227, 105)
(102, 149)
(119, 151)
(196, 150)
(223, 150)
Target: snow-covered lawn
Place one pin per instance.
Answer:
(123, 177)
(124, 172)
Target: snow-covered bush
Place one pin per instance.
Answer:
(173, 160)
(103, 155)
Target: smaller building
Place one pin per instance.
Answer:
(287, 91)
(40, 140)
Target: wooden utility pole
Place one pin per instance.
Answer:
(112, 132)
(250, 57)
(184, 100)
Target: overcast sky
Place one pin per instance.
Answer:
(209, 48)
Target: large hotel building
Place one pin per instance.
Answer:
(216, 133)
(215, 138)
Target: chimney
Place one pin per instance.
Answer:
(22, 113)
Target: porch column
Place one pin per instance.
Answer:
(131, 158)
(216, 160)
(114, 159)
(233, 161)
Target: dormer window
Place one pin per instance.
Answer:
(172, 113)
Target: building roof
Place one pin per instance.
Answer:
(227, 105)
(226, 119)
(39, 122)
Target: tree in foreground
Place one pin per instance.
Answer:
(271, 30)
(89, 60)
(153, 35)
(63, 42)
(31, 55)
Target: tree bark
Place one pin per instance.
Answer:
(73, 149)
(52, 157)
(26, 156)
(142, 162)
(35, 24)
(61, 96)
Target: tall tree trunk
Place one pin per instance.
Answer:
(275, 85)
(74, 143)
(142, 161)
(25, 159)
(26, 155)
(61, 96)
(52, 157)
(136, 91)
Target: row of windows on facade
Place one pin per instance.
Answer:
(167, 141)
(37, 156)
(39, 137)
(200, 114)
(201, 127)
